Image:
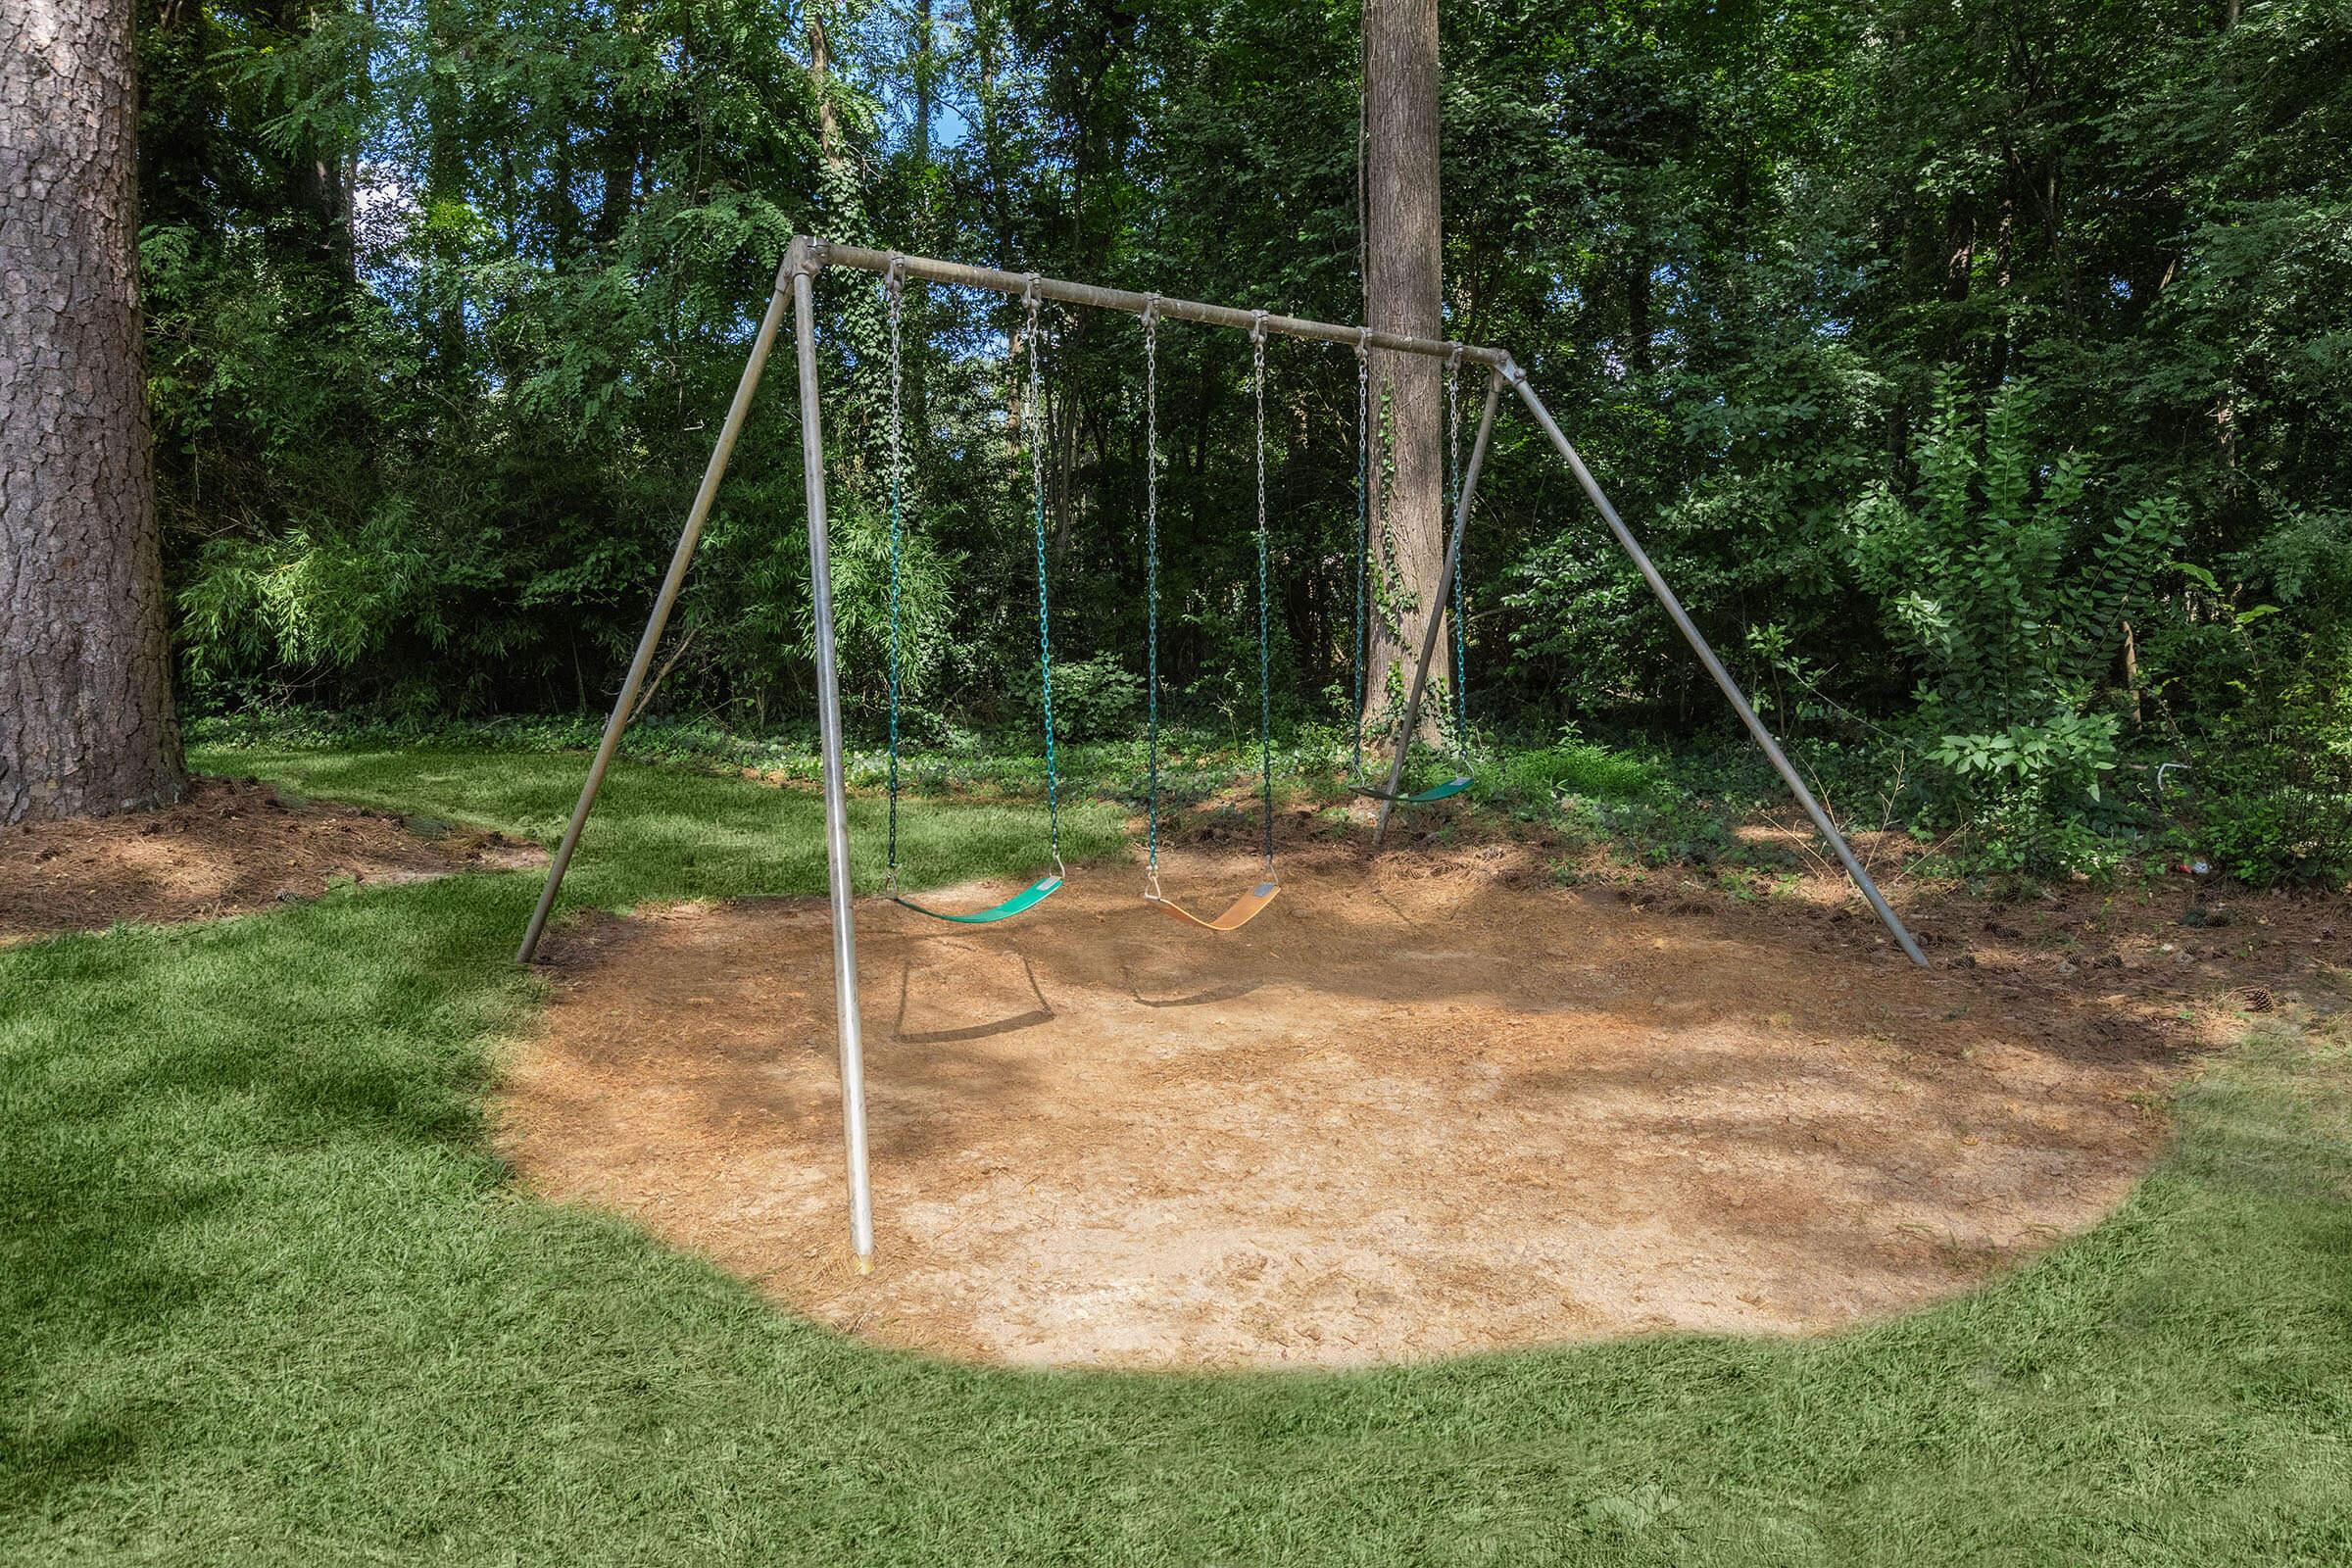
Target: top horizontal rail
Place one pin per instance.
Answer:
(814, 254)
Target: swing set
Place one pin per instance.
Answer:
(1249, 905)
(795, 287)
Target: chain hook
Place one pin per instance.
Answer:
(1032, 294)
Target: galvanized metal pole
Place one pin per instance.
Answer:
(828, 253)
(1706, 656)
(679, 557)
(1429, 633)
(803, 266)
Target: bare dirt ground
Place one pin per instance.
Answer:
(1427, 1105)
(231, 847)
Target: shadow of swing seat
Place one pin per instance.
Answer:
(1239, 913)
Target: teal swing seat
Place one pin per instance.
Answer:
(1435, 793)
(1029, 898)
(1044, 887)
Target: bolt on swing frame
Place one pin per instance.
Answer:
(795, 281)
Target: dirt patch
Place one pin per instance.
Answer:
(1422, 1106)
(231, 846)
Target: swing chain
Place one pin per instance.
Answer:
(892, 288)
(1151, 585)
(1266, 699)
(1363, 531)
(1033, 418)
(1454, 468)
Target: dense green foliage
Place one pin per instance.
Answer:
(446, 297)
(269, 1298)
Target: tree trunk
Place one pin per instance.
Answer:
(1404, 282)
(985, 46)
(820, 73)
(617, 148)
(317, 192)
(86, 725)
(444, 182)
(925, 71)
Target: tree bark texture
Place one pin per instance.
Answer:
(86, 723)
(1403, 283)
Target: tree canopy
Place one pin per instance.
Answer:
(444, 298)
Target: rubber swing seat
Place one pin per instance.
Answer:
(1029, 898)
(1239, 913)
(1438, 792)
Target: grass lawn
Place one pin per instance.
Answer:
(267, 1297)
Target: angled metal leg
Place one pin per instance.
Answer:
(828, 724)
(679, 557)
(1439, 612)
(1706, 656)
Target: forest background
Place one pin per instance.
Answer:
(1981, 375)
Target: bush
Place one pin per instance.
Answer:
(2008, 578)
(1094, 698)
(1570, 766)
(2275, 789)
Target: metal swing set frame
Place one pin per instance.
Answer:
(795, 287)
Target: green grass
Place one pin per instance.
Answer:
(266, 1298)
(1194, 762)
(675, 833)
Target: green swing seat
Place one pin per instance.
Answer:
(1029, 898)
(1436, 791)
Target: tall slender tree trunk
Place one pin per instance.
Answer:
(987, 50)
(1403, 283)
(821, 72)
(86, 725)
(317, 191)
(926, 226)
(925, 65)
(445, 183)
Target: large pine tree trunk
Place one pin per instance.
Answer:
(86, 725)
(1403, 276)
